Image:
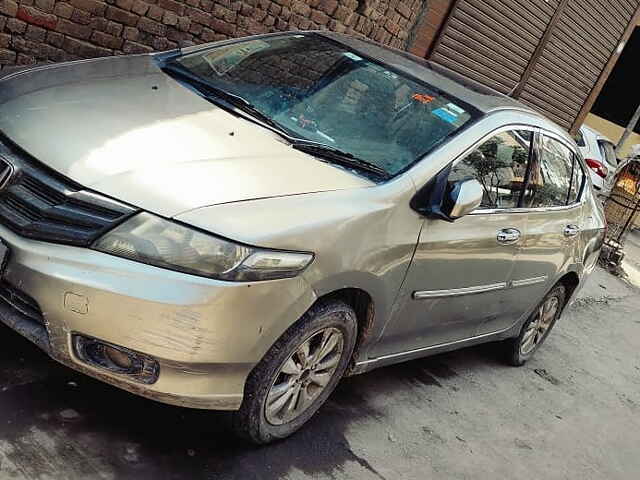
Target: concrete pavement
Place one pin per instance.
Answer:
(631, 261)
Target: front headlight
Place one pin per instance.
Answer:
(149, 239)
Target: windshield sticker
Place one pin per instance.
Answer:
(447, 115)
(423, 98)
(223, 59)
(455, 108)
(352, 56)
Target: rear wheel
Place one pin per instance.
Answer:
(537, 327)
(297, 374)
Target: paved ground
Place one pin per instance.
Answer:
(573, 412)
(631, 262)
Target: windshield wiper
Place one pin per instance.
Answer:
(212, 92)
(338, 156)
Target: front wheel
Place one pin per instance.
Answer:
(297, 374)
(537, 327)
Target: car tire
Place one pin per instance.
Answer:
(537, 327)
(258, 420)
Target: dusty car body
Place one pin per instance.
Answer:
(89, 146)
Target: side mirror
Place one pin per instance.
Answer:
(448, 201)
(463, 198)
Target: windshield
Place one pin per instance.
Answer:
(318, 90)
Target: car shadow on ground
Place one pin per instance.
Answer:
(108, 429)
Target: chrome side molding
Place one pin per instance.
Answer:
(529, 281)
(454, 292)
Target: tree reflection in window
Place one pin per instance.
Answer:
(499, 164)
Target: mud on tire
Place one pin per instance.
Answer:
(514, 353)
(250, 421)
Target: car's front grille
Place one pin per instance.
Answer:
(21, 302)
(39, 203)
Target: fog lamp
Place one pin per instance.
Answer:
(116, 359)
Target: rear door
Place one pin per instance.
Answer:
(554, 219)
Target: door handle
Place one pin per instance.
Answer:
(571, 230)
(508, 236)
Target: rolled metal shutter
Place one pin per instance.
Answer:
(492, 41)
(586, 35)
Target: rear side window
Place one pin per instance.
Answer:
(577, 180)
(550, 181)
(500, 165)
(608, 152)
(579, 138)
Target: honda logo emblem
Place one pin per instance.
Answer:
(6, 172)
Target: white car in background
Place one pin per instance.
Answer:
(600, 154)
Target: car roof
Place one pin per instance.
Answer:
(474, 93)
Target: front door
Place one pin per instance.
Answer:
(460, 273)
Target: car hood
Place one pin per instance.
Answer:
(122, 127)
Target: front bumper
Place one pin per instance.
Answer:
(205, 334)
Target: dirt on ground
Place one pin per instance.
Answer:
(573, 412)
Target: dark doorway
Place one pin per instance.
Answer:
(620, 95)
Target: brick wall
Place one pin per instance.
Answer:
(37, 31)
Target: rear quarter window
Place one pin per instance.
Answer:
(577, 181)
(608, 152)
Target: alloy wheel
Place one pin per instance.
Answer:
(538, 327)
(304, 376)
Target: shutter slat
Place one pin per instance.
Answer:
(472, 69)
(552, 72)
(514, 13)
(573, 59)
(497, 34)
(475, 38)
(471, 73)
(570, 102)
(558, 116)
(497, 20)
(493, 42)
(600, 20)
(487, 60)
(578, 69)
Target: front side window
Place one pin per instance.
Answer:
(319, 90)
(551, 175)
(500, 165)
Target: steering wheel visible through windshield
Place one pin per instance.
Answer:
(318, 90)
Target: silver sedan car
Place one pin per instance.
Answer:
(238, 225)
